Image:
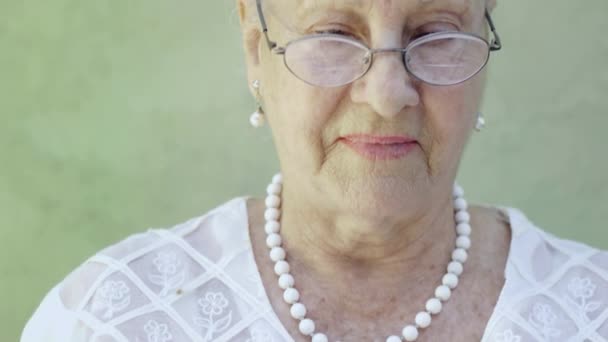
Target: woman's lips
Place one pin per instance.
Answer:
(376, 147)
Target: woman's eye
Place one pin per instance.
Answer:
(422, 34)
(334, 31)
(433, 29)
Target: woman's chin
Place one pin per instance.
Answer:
(382, 197)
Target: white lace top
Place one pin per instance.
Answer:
(198, 281)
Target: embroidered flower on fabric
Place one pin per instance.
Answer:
(259, 335)
(211, 305)
(580, 290)
(157, 332)
(112, 296)
(170, 275)
(166, 262)
(507, 336)
(544, 320)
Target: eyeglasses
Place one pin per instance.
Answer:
(333, 60)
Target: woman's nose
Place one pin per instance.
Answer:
(387, 87)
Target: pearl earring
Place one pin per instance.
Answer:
(257, 118)
(481, 122)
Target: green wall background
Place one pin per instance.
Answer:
(117, 116)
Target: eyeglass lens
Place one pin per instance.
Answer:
(331, 61)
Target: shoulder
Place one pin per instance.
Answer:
(555, 289)
(214, 236)
(133, 276)
(543, 256)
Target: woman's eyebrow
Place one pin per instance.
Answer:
(311, 6)
(310, 14)
(460, 7)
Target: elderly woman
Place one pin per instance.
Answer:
(363, 235)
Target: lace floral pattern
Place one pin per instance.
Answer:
(580, 291)
(545, 321)
(211, 305)
(111, 297)
(507, 336)
(157, 332)
(260, 335)
(171, 273)
(229, 304)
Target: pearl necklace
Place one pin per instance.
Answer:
(291, 296)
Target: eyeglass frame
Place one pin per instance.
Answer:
(494, 45)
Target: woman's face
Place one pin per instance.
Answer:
(311, 125)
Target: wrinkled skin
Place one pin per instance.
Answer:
(352, 224)
(307, 122)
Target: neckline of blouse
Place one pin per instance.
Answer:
(518, 224)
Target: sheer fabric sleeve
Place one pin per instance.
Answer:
(51, 321)
(64, 315)
(196, 282)
(555, 290)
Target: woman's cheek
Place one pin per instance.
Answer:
(452, 108)
(446, 117)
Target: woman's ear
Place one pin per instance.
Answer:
(251, 37)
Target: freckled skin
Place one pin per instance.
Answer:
(367, 240)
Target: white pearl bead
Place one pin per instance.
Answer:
(307, 326)
(410, 333)
(455, 267)
(460, 255)
(480, 124)
(272, 227)
(393, 339)
(286, 281)
(423, 319)
(277, 179)
(298, 311)
(273, 240)
(273, 201)
(463, 229)
(460, 204)
(272, 214)
(318, 337)
(274, 189)
(450, 280)
(277, 254)
(291, 295)
(256, 119)
(443, 293)
(462, 216)
(463, 242)
(433, 306)
(458, 191)
(281, 267)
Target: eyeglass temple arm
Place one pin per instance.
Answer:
(271, 45)
(495, 44)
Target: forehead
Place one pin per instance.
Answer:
(385, 8)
